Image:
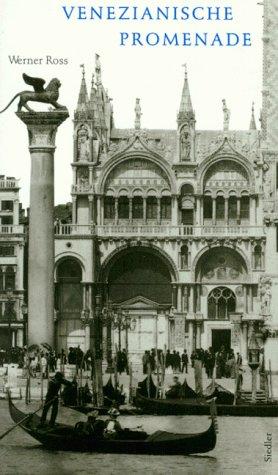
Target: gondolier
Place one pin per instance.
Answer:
(51, 399)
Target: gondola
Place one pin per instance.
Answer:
(201, 407)
(64, 437)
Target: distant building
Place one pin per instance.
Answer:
(12, 244)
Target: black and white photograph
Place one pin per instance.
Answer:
(138, 237)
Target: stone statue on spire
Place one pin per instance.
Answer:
(227, 115)
(138, 113)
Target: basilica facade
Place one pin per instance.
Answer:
(173, 239)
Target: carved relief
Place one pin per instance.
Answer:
(185, 143)
(83, 144)
(265, 294)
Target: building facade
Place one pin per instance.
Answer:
(174, 230)
(12, 245)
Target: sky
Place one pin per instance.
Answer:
(37, 29)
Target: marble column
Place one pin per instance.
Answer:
(244, 342)
(158, 210)
(213, 211)
(179, 298)
(238, 210)
(74, 210)
(198, 334)
(191, 336)
(98, 210)
(42, 128)
(130, 210)
(144, 210)
(226, 204)
(91, 209)
(116, 210)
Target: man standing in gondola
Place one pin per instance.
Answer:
(52, 398)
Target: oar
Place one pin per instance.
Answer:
(20, 422)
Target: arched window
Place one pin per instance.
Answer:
(184, 257)
(258, 257)
(137, 207)
(10, 278)
(220, 208)
(69, 290)
(123, 207)
(244, 208)
(207, 207)
(166, 207)
(232, 208)
(109, 207)
(151, 207)
(221, 302)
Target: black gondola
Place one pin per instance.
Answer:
(64, 437)
(201, 407)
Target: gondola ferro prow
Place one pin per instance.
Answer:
(213, 414)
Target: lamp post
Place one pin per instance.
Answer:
(253, 362)
(107, 320)
(24, 310)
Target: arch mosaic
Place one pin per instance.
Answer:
(117, 253)
(134, 170)
(222, 264)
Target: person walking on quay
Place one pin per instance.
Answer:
(51, 399)
(209, 362)
(198, 367)
(184, 361)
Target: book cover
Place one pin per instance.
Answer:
(138, 231)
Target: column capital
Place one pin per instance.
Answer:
(42, 128)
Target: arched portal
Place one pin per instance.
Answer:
(139, 285)
(139, 272)
(69, 303)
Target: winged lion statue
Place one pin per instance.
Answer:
(48, 94)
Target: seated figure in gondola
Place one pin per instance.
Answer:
(93, 427)
(175, 391)
(112, 425)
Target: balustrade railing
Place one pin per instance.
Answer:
(11, 229)
(157, 230)
(8, 184)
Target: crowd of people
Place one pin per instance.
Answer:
(224, 361)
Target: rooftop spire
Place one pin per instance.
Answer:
(252, 125)
(83, 94)
(186, 104)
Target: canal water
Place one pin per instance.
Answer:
(240, 449)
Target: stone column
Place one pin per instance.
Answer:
(130, 210)
(179, 298)
(198, 334)
(116, 210)
(42, 128)
(174, 211)
(144, 209)
(226, 211)
(213, 211)
(74, 210)
(191, 337)
(91, 209)
(158, 210)
(197, 215)
(244, 341)
(98, 220)
(238, 209)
